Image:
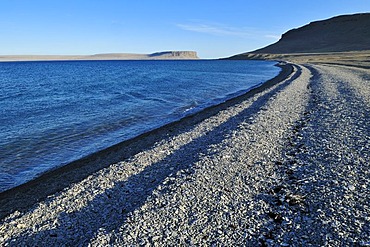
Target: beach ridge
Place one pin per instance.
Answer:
(24, 195)
(286, 164)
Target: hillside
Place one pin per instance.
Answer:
(338, 34)
(342, 40)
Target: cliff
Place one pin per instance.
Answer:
(175, 55)
(165, 55)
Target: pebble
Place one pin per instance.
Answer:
(282, 168)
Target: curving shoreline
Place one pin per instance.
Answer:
(286, 164)
(25, 195)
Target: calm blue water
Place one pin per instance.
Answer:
(52, 113)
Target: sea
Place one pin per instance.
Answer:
(55, 112)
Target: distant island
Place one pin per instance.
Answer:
(165, 55)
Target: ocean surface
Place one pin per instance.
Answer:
(52, 113)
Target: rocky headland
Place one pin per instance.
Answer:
(342, 40)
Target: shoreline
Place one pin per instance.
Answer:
(23, 196)
(286, 166)
(355, 58)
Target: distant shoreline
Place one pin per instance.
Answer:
(166, 55)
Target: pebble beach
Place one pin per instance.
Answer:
(285, 165)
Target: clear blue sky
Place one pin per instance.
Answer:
(213, 28)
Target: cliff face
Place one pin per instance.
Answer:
(175, 55)
(165, 55)
(337, 34)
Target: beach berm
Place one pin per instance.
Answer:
(285, 165)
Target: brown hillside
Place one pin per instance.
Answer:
(337, 34)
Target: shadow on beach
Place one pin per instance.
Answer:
(132, 193)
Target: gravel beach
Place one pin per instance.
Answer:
(287, 166)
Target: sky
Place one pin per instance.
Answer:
(213, 28)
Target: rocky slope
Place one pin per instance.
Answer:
(338, 34)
